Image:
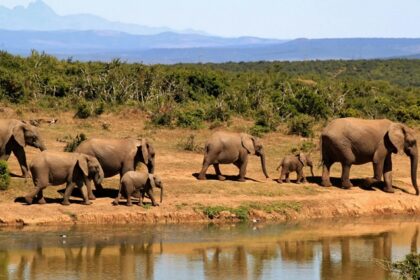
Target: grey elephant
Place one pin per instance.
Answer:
(133, 182)
(295, 163)
(14, 136)
(56, 168)
(357, 141)
(118, 156)
(229, 147)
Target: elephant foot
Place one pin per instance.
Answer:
(389, 190)
(87, 202)
(65, 203)
(326, 183)
(155, 204)
(201, 177)
(288, 181)
(241, 180)
(92, 197)
(115, 203)
(221, 178)
(42, 201)
(280, 181)
(28, 200)
(140, 204)
(129, 204)
(346, 185)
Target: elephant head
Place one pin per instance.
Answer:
(147, 154)
(403, 140)
(91, 168)
(306, 161)
(254, 146)
(156, 181)
(26, 134)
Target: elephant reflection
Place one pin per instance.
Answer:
(132, 258)
(234, 263)
(299, 251)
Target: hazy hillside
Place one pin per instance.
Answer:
(39, 16)
(171, 47)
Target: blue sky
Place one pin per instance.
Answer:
(264, 18)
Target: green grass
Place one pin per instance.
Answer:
(242, 212)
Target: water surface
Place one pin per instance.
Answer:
(316, 250)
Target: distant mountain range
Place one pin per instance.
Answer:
(88, 37)
(39, 16)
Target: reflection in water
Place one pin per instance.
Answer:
(346, 251)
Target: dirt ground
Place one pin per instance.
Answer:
(188, 200)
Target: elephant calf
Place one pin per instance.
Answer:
(295, 163)
(56, 168)
(142, 182)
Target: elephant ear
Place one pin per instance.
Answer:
(152, 181)
(248, 143)
(18, 133)
(83, 165)
(144, 150)
(302, 158)
(396, 135)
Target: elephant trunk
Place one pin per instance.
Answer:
(41, 146)
(99, 176)
(414, 163)
(151, 165)
(312, 171)
(262, 157)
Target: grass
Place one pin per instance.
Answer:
(242, 212)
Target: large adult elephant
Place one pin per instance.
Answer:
(228, 147)
(117, 156)
(14, 136)
(357, 141)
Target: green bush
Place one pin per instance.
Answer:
(305, 146)
(409, 268)
(100, 109)
(301, 125)
(73, 143)
(190, 118)
(4, 175)
(84, 111)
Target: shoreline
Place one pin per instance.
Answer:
(354, 203)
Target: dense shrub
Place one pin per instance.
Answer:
(301, 125)
(4, 175)
(409, 268)
(187, 95)
(73, 143)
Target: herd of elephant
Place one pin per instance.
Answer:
(347, 141)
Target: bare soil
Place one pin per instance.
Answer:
(188, 200)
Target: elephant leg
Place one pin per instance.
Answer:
(287, 177)
(301, 174)
(40, 196)
(117, 199)
(19, 152)
(388, 174)
(152, 198)
(345, 176)
(202, 175)
(141, 199)
(129, 202)
(38, 188)
(88, 184)
(84, 191)
(326, 182)
(69, 189)
(218, 173)
(242, 169)
(282, 175)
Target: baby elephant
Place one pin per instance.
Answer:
(142, 182)
(294, 163)
(56, 168)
